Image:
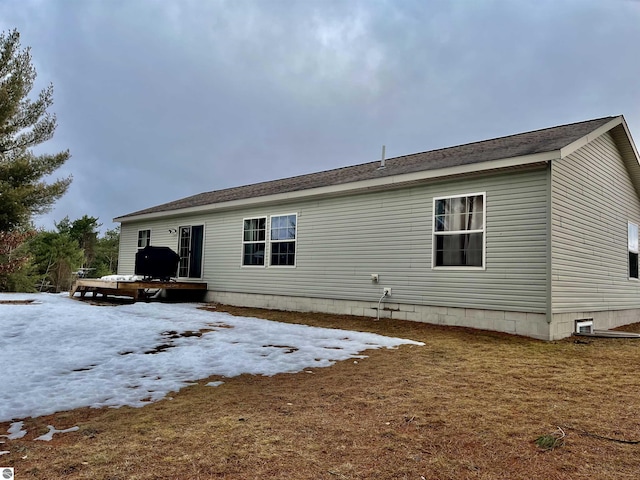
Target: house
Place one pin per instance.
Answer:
(533, 234)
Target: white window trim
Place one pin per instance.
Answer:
(138, 239)
(457, 232)
(295, 240)
(636, 251)
(266, 242)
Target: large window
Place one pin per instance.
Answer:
(254, 241)
(632, 240)
(458, 231)
(283, 240)
(144, 238)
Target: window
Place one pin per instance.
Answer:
(283, 240)
(458, 231)
(632, 240)
(144, 238)
(254, 241)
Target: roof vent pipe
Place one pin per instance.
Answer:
(382, 161)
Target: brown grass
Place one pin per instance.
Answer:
(468, 405)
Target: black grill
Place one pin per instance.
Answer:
(159, 263)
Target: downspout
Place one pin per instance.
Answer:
(549, 299)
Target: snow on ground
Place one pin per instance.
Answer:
(59, 354)
(47, 437)
(15, 431)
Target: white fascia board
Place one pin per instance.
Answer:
(631, 142)
(363, 185)
(632, 160)
(581, 142)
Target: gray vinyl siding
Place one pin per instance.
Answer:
(164, 233)
(593, 199)
(343, 240)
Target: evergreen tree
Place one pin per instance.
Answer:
(84, 231)
(14, 259)
(24, 124)
(106, 262)
(56, 257)
(50, 260)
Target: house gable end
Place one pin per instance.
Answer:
(594, 196)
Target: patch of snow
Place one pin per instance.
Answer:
(47, 437)
(60, 354)
(15, 431)
(4, 452)
(121, 278)
(214, 384)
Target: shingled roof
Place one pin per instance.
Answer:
(538, 141)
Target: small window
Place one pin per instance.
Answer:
(283, 240)
(458, 231)
(254, 241)
(632, 240)
(584, 326)
(144, 238)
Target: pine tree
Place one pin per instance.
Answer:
(107, 253)
(24, 124)
(56, 257)
(84, 231)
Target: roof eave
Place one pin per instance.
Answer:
(392, 181)
(632, 144)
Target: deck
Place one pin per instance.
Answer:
(137, 290)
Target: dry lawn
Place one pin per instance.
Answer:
(469, 404)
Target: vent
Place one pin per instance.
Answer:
(584, 326)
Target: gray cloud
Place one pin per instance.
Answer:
(159, 100)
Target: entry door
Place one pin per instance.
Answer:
(190, 251)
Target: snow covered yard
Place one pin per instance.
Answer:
(60, 354)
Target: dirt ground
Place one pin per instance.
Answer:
(467, 405)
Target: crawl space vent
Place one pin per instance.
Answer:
(584, 325)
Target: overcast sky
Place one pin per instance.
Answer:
(158, 100)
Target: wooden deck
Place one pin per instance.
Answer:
(137, 290)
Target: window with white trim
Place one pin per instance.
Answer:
(458, 231)
(254, 241)
(632, 242)
(144, 238)
(283, 240)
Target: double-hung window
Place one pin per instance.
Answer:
(632, 240)
(283, 240)
(254, 241)
(459, 231)
(144, 238)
